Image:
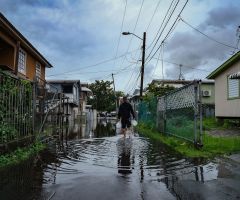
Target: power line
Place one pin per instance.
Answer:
(139, 13)
(93, 65)
(169, 17)
(183, 65)
(155, 10)
(119, 38)
(133, 30)
(210, 38)
(135, 83)
(170, 31)
(129, 81)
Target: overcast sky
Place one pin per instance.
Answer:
(76, 35)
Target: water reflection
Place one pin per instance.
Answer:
(125, 157)
(91, 155)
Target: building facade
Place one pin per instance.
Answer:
(227, 88)
(18, 55)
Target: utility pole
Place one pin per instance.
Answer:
(114, 92)
(180, 77)
(143, 62)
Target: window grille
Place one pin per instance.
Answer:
(22, 61)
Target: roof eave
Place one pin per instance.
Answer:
(19, 35)
(224, 66)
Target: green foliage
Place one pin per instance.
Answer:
(148, 111)
(180, 122)
(211, 123)
(20, 155)
(14, 95)
(213, 146)
(104, 97)
(157, 90)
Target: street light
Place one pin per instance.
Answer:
(143, 57)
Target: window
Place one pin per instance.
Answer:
(38, 70)
(22, 57)
(67, 88)
(233, 88)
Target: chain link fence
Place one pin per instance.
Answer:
(178, 113)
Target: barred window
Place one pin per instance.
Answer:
(38, 70)
(22, 61)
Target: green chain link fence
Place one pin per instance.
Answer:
(178, 113)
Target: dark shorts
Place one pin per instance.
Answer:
(126, 123)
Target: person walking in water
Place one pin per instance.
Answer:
(124, 113)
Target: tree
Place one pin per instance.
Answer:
(103, 96)
(157, 90)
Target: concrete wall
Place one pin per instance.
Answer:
(226, 107)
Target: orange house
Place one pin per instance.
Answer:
(18, 55)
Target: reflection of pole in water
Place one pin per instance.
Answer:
(201, 174)
(141, 168)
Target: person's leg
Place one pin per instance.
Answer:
(124, 125)
(129, 125)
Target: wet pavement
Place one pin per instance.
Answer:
(92, 162)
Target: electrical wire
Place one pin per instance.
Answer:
(183, 65)
(93, 65)
(160, 28)
(210, 38)
(135, 26)
(170, 31)
(119, 38)
(155, 10)
(135, 83)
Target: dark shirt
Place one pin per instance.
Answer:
(125, 110)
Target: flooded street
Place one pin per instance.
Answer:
(92, 162)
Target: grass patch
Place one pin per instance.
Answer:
(213, 146)
(211, 123)
(20, 155)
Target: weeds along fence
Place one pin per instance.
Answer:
(16, 108)
(178, 113)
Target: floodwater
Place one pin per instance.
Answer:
(92, 162)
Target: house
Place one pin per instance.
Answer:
(85, 93)
(71, 95)
(18, 55)
(227, 88)
(171, 83)
(86, 111)
(207, 88)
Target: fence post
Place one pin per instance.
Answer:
(34, 105)
(200, 113)
(157, 118)
(195, 110)
(164, 114)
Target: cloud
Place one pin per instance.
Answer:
(77, 33)
(223, 17)
(192, 49)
